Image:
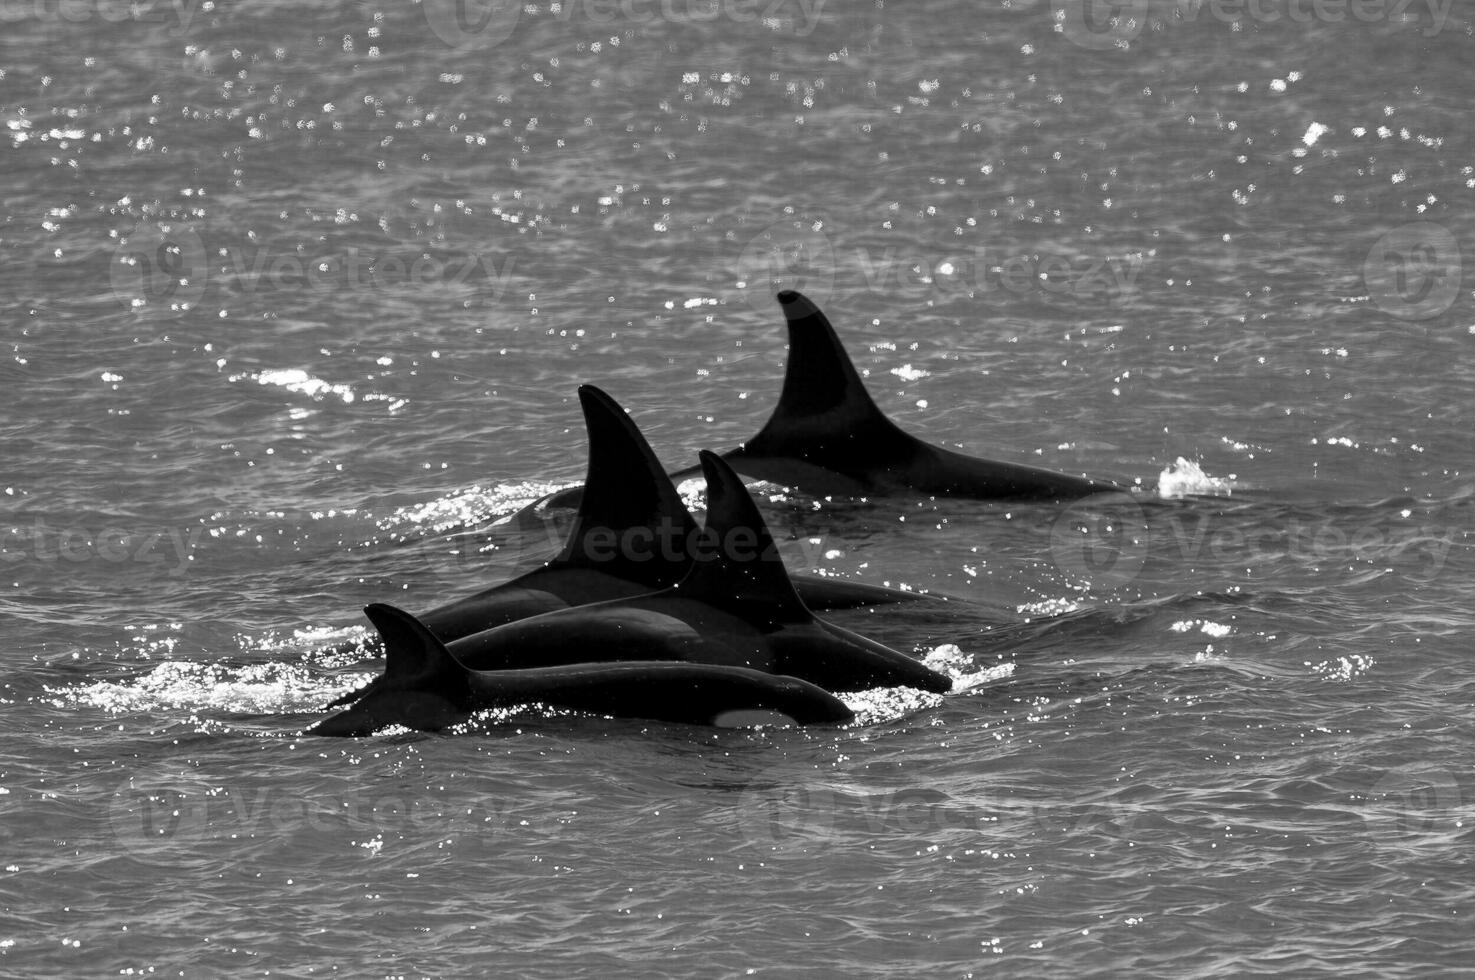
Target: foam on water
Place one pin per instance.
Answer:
(1184, 477)
(880, 705)
(465, 508)
(291, 688)
(298, 380)
(270, 688)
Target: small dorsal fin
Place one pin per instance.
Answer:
(423, 685)
(739, 565)
(413, 658)
(625, 488)
(824, 405)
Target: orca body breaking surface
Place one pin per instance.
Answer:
(735, 608)
(425, 688)
(827, 437)
(629, 537)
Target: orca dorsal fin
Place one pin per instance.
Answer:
(625, 488)
(824, 406)
(738, 565)
(414, 659)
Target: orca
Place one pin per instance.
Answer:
(827, 437)
(425, 688)
(630, 536)
(736, 607)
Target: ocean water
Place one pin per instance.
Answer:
(296, 300)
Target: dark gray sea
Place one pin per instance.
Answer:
(296, 297)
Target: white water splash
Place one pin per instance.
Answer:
(271, 688)
(1216, 630)
(466, 508)
(1184, 476)
(298, 380)
(890, 703)
(1343, 668)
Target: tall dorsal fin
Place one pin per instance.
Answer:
(413, 658)
(739, 564)
(625, 488)
(823, 405)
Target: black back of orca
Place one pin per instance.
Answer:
(826, 435)
(628, 494)
(627, 491)
(746, 577)
(739, 568)
(735, 608)
(425, 688)
(422, 687)
(613, 548)
(630, 536)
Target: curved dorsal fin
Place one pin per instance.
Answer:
(739, 565)
(413, 658)
(625, 488)
(824, 405)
